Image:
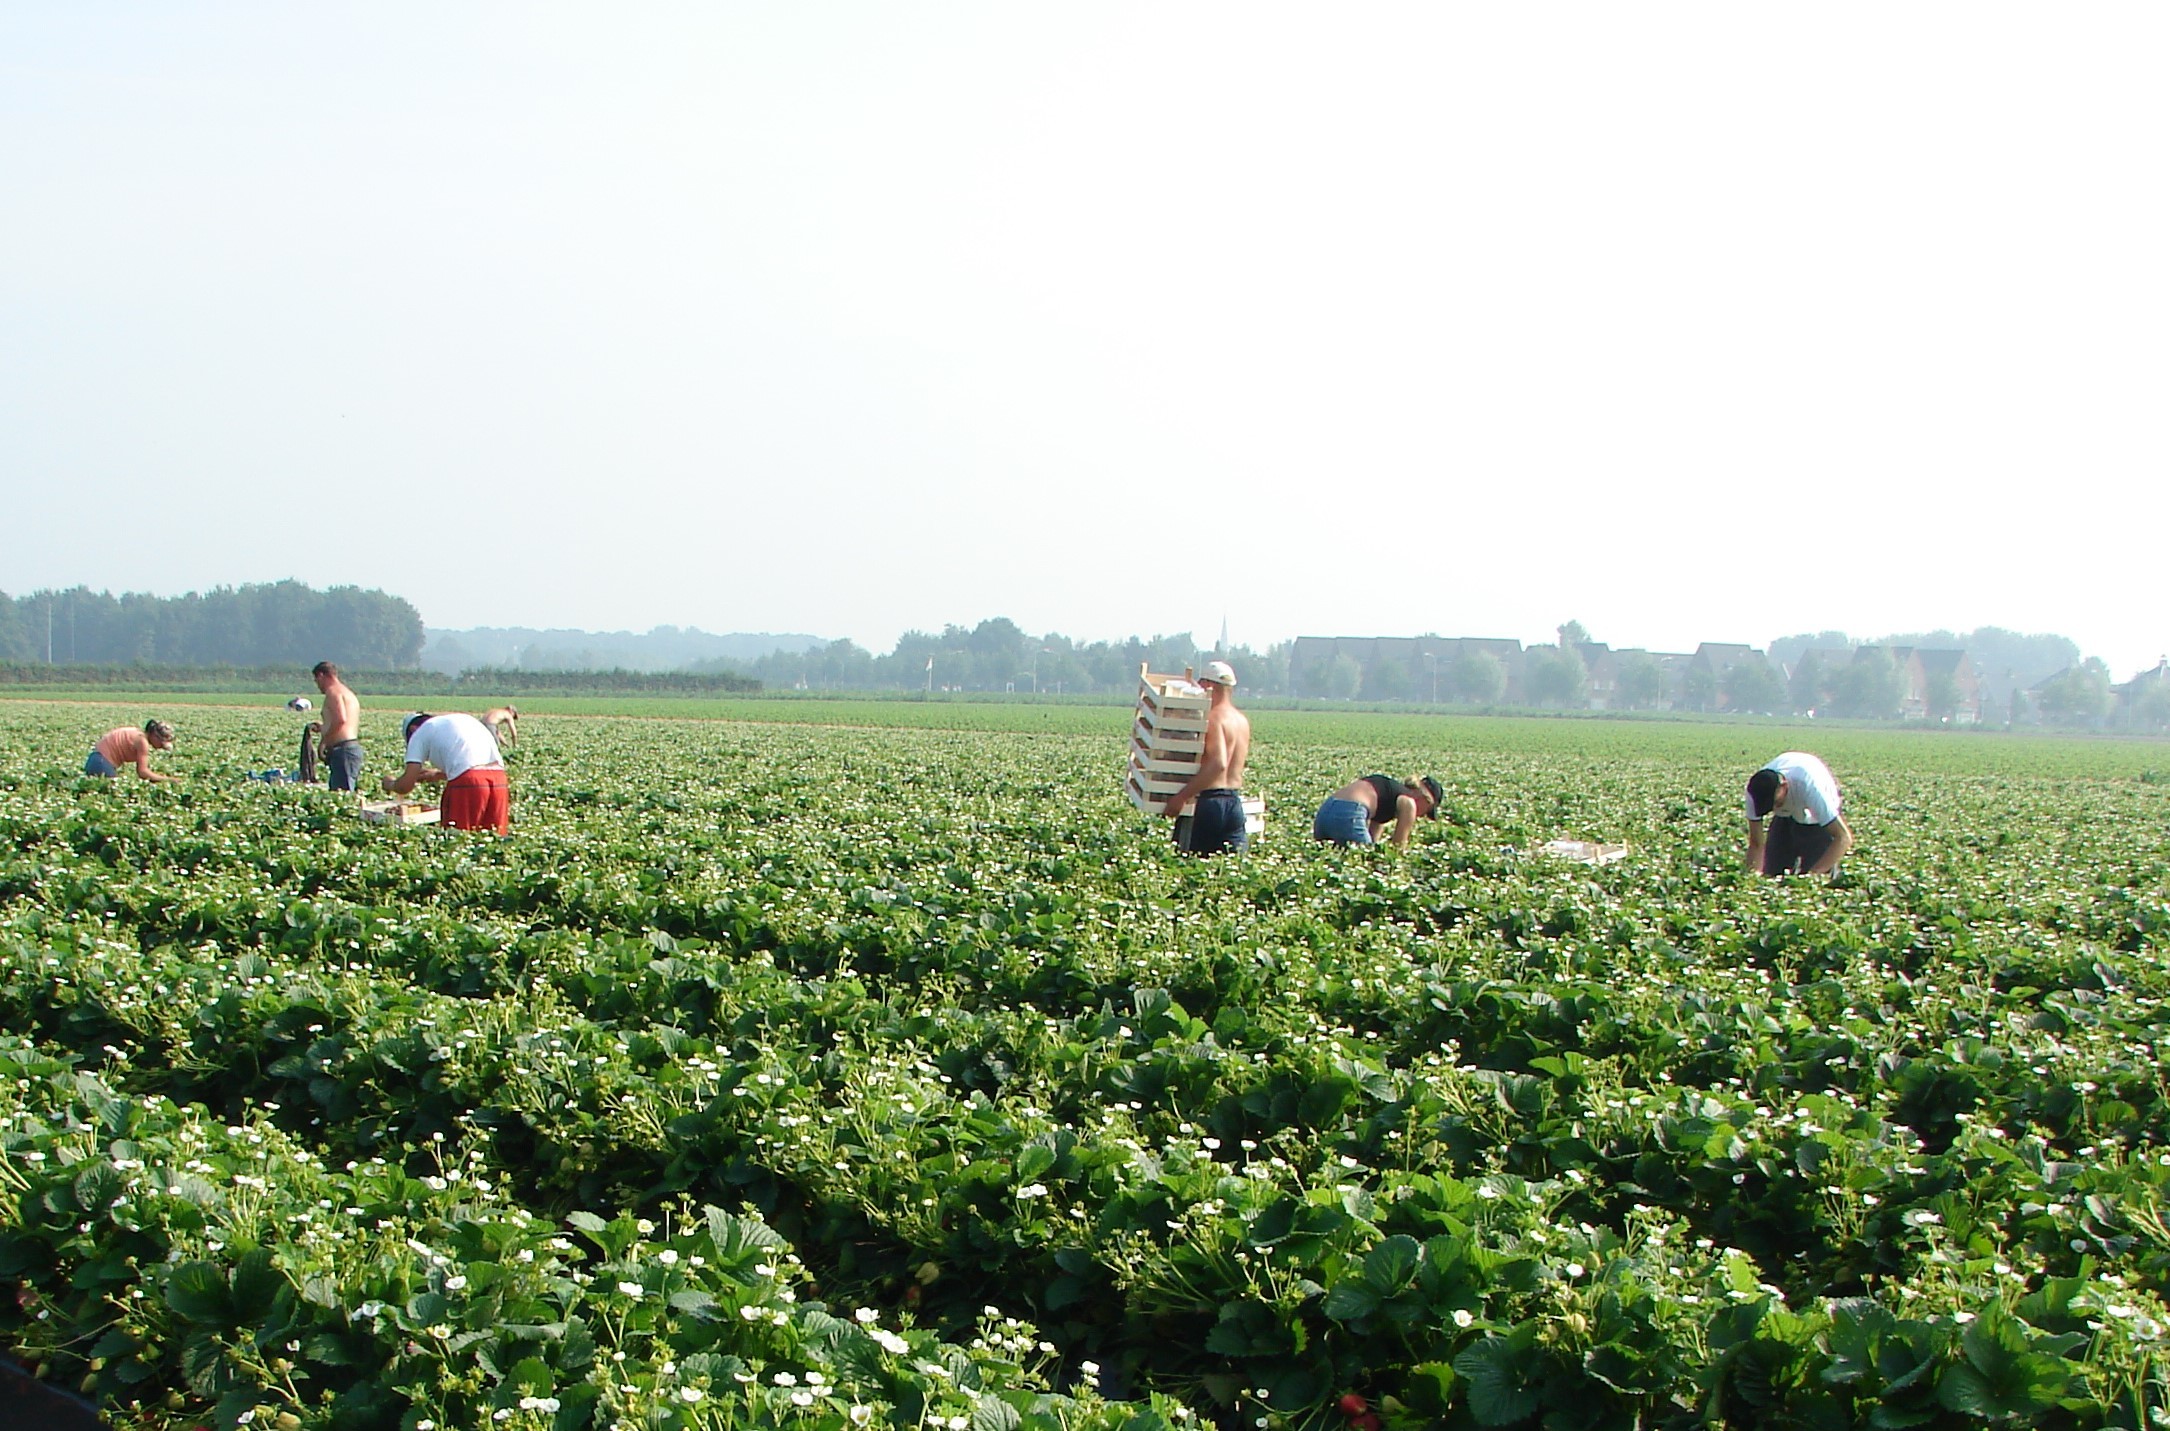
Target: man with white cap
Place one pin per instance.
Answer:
(465, 760)
(1217, 787)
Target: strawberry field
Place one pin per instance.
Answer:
(780, 1074)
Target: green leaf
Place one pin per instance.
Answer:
(96, 1188)
(330, 1349)
(1349, 1302)
(256, 1284)
(196, 1291)
(1390, 1266)
(1498, 1371)
(578, 1352)
(203, 1364)
(116, 1342)
(992, 1413)
(1228, 1339)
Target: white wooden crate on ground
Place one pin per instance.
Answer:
(398, 812)
(1587, 852)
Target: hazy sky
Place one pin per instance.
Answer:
(1691, 321)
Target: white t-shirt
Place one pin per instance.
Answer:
(453, 743)
(1811, 794)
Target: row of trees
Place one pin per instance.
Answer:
(281, 623)
(998, 655)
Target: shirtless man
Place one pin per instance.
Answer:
(1217, 821)
(340, 741)
(504, 723)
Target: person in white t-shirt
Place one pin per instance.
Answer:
(1800, 796)
(464, 755)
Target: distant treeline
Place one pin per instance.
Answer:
(488, 682)
(600, 683)
(998, 655)
(662, 648)
(282, 623)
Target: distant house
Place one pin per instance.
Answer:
(1719, 658)
(1723, 656)
(1941, 684)
(1935, 683)
(2146, 681)
(1607, 667)
(2140, 701)
(1603, 669)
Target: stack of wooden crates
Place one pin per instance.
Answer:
(1167, 741)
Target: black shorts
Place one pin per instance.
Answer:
(1216, 823)
(1792, 847)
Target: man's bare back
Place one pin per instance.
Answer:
(1228, 736)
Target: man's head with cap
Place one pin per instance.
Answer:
(1220, 673)
(413, 722)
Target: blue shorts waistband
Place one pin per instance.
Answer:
(1219, 790)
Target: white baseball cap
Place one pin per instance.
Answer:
(1220, 673)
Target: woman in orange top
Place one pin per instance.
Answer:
(129, 746)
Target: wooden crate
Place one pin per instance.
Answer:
(398, 812)
(1586, 852)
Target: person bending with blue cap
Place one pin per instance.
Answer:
(1800, 797)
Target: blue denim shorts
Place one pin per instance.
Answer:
(99, 765)
(1345, 822)
(343, 765)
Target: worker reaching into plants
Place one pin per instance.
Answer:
(504, 723)
(1799, 794)
(465, 760)
(129, 746)
(1359, 810)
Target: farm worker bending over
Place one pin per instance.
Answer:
(339, 743)
(129, 746)
(1359, 810)
(1807, 836)
(504, 723)
(1217, 822)
(476, 796)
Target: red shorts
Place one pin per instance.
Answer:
(478, 800)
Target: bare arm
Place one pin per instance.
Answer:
(1842, 840)
(1405, 821)
(415, 774)
(1752, 861)
(143, 768)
